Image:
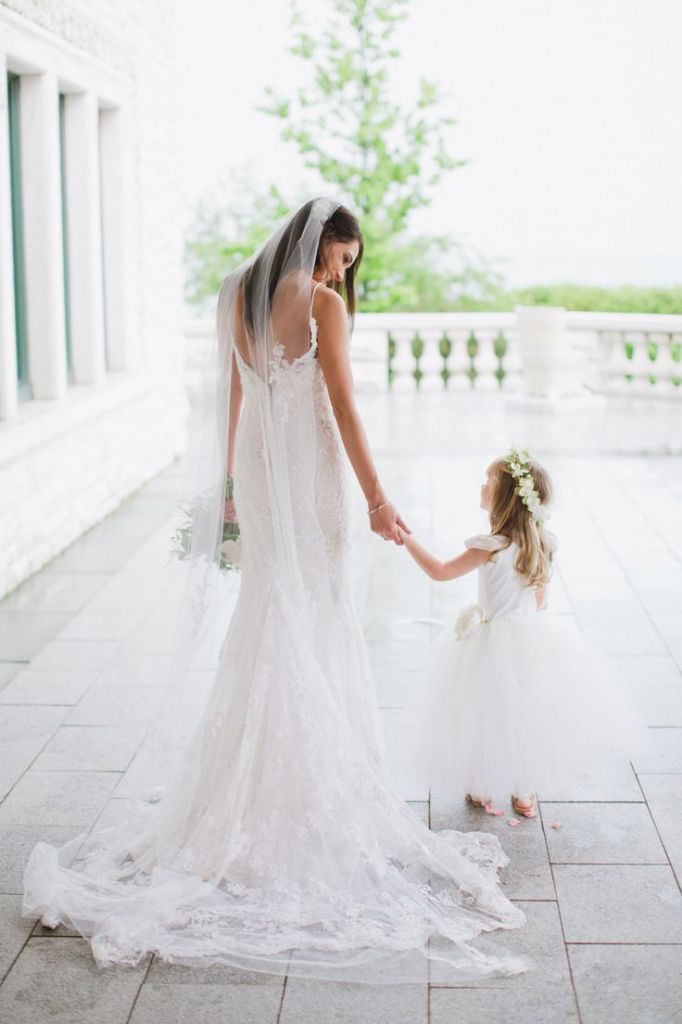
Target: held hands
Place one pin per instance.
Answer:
(385, 521)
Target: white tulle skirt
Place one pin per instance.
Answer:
(520, 705)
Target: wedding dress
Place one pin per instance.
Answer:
(281, 844)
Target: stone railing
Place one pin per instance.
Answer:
(607, 353)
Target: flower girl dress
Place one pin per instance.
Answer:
(517, 702)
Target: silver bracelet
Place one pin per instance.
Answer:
(371, 511)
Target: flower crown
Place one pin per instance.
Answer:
(518, 464)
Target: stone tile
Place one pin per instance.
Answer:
(491, 1006)
(528, 875)
(57, 798)
(23, 734)
(628, 984)
(57, 980)
(163, 974)
(47, 686)
(664, 797)
(90, 555)
(8, 670)
(17, 841)
(76, 654)
(116, 705)
(54, 592)
(106, 748)
(663, 752)
(14, 931)
(615, 781)
(619, 903)
(421, 809)
(23, 634)
(320, 1002)
(601, 834)
(539, 941)
(210, 1004)
(655, 685)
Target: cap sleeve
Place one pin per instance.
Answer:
(553, 540)
(487, 542)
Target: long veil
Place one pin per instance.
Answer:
(256, 827)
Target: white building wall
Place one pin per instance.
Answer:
(80, 446)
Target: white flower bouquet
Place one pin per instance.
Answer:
(229, 550)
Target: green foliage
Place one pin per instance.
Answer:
(589, 298)
(382, 157)
(223, 235)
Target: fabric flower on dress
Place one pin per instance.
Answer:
(468, 621)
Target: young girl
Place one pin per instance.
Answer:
(517, 702)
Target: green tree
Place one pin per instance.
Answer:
(382, 156)
(222, 235)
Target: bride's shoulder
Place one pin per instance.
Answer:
(327, 302)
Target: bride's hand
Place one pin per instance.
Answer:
(386, 522)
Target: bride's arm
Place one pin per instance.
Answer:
(330, 313)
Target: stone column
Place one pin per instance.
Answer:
(81, 131)
(41, 179)
(118, 244)
(8, 351)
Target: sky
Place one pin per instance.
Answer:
(568, 111)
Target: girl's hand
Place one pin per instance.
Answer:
(387, 524)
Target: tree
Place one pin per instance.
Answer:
(384, 157)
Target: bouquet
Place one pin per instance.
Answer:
(228, 551)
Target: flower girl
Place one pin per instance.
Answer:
(517, 702)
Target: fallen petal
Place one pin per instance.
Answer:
(489, 809)
(556, 824)
(512, 822)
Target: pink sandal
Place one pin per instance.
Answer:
(527, 808)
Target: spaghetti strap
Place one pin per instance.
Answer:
(312, 297)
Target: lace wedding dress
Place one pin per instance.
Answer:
(283, 846)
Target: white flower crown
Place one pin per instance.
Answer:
(518, 464)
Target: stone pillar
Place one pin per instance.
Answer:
(81, 131)
(41, 179)
(118, 244)
(8, 351)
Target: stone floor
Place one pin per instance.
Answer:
(601, 893)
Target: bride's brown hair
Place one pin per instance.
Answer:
(340, 226)
(510, 518)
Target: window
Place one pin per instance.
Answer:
(18, 260)
(65, 234)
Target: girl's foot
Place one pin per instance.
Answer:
(525, 805)
(477, 801)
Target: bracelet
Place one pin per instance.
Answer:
(371, 511)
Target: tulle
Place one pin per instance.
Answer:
(521, 705)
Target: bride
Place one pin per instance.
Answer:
(279, 843)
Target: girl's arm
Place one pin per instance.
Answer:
(542, 597)
(330, 313)
(442, 571)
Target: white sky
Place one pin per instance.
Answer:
(570, 112)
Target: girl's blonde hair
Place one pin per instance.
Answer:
(510, 518)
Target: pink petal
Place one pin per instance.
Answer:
(556, 824)
(489, 809)
(512, 822)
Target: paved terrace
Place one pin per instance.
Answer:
(601, 894)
